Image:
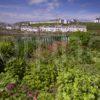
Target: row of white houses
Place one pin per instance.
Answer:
(71, 28)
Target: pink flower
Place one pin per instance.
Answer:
(10, 86)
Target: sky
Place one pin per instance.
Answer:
(12, 11)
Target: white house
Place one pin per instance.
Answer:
(9, 27)
(49, 29)
(74, 28)
(97, 20)
(71, 28)
(29, 29)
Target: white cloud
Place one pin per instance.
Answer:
(41, 15)
(16, 15)
(31, 2)
(32, 16)
(52, 5)
(84, 14)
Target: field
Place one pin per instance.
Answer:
(51, 67)
(93, 27)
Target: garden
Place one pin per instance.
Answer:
(59, 70)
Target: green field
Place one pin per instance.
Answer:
(94, 27)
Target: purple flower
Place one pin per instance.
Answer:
(10, 86)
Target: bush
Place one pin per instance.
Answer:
(77, 85)
(7, 50)
(45, 96)
(16, 67)
(40, 75)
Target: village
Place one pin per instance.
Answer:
(60, 25)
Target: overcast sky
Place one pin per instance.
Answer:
(35, 10)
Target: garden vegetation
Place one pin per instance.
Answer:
(31, 70)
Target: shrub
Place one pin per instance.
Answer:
(7, 50)
(77, 85)
(16, 67)
(40, 75)
(45, 96)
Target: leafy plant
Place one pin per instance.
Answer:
(16, 67)
(77, 85)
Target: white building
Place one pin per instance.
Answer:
(71, 28)
(29, 29)
(65, 21)
(9, 27)
(74, 28)
(48, 29)
(97, 20)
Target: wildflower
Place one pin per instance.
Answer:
(10, 86)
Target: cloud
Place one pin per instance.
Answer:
(11, 17)
(31, 2)
(46, 12)
(16, 15)
(52, 5)
(84, 14)
(88, 4)
(17, 7)
(32, 16)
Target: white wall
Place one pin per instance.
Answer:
(8, 27)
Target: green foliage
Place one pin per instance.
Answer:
(95, 43)
(93, 27)
(82, 37)
(40, 75)
(79, 47)
(25, 47)
(45, 96)
(7, 50)
(77, 85)
(6, 78)
(70, 73)
(16, 67)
